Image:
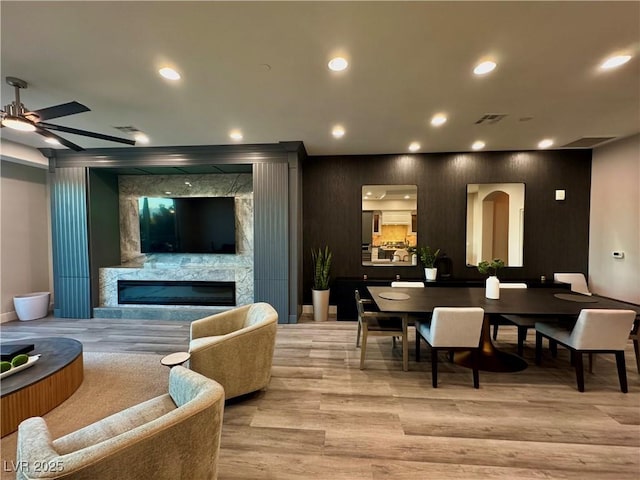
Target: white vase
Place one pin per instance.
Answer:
(430, 273)
(320, 305)
(492, 288)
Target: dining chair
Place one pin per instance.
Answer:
(408, 284)
(577, 281)
(379, 324)
(595, 331)
(522, 322)
(451, 329)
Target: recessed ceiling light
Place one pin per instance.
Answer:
(484, 67)
(235, 135)
(338, 131)
(52, 141)
(141, 138)
(478, 145)
(438, 119)
(407, 197)
(338, 64)
(167, 193)
(169, 73)
(414, 147)
(546, 143)
(615, 61)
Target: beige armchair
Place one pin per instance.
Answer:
(235, 347)
(173, 436)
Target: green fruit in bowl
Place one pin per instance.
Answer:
(4, 366)
(19, 360)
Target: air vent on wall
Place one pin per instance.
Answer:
(490, 118)
(587, 142)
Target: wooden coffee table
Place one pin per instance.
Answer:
(38, 389)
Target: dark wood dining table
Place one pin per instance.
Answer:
(542, 302)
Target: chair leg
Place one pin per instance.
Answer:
(434, 367)
(476, 374)
(622, 371)
(636, 349)
(358, 334)
(405, 344)
(538, 348)
(522, 336)
(363, 347)
(418, 336)
(495, 331)
(592, 362)
(579, 370)
(553, 347)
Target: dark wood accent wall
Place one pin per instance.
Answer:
(556, 233)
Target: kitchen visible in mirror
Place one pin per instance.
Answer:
(389, 225)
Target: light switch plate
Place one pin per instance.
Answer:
(559, 194)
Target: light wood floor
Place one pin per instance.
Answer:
(323, 418)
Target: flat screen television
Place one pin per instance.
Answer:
(187, 225)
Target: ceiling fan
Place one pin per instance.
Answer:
(17, 117)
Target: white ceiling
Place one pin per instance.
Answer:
(408, 61)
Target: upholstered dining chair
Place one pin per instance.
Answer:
(410, 284)
(451, 329)
(577, 281)
(595, 331)
(522, 322)
(379, 324)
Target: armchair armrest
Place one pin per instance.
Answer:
(37, 449)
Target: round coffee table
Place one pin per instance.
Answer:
(38, 389)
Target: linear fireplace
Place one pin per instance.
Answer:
(176, 292)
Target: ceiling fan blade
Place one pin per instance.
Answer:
(85, 133)
(63, 141)
(62, 110)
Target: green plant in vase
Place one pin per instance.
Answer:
(321, 260)
(428, 258)
(492, 283)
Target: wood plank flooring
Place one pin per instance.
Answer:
(322, 417)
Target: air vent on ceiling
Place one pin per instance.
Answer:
(587, 142)
(490, 118)
(127, 129)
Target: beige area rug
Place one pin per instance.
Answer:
(112, 382)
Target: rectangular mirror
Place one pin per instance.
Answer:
(389, 225)
(495, 223)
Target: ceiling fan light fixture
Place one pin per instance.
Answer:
(141, 138)
(52, 141)
(17, 123)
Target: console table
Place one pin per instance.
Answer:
(45, 385)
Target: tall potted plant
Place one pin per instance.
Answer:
(428, 258)
(321, 259)
(492, 284)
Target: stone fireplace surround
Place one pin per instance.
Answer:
(236, 268)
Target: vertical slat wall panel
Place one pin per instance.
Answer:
(271, 234)
(70, 243)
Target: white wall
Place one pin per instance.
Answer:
(25, 251)
(615, 220)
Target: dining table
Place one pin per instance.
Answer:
(540, 302)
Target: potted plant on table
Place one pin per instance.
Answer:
(492, 284)
(428, 258)
(321, 259)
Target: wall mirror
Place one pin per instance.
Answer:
(495, 223)
(389, 225)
